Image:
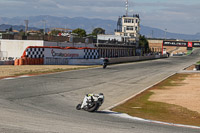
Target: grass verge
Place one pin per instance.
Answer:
(140, 106)
(198, 63)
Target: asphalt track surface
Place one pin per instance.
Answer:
(46, 103)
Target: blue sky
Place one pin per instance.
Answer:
(178, 16)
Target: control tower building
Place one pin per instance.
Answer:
(128, 26)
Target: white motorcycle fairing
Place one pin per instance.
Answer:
(91, 102)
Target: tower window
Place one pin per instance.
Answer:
(129, 28)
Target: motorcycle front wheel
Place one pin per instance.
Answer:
(104, 66)
(78, 107)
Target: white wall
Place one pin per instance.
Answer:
(15, 48)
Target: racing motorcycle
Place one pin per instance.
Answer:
(91, 102)
(105, 62)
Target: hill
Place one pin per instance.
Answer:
(37, 22)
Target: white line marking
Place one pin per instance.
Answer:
(23, 76)
(8, 78)
(11, 78)
(123, 115)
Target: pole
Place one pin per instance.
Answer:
(127, 8)
(26, 27)
(44, 26)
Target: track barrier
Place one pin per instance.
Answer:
(29, 61)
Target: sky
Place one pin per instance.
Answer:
(177, 16)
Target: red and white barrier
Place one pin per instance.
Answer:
(39, 55)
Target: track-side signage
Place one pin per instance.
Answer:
(175, 43)
(196, 44)
(181, 44)
(190, 45)
(64, 53)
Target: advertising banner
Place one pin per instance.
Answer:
(190, 45)
(64, 53)
(181, 44)
(175, 43)
(196, 44)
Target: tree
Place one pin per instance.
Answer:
(97, 31)
(55, 32)
(10, 29)
(21, 30)
(143, 43)
(41, 31)
(80, 32)
(22, 33)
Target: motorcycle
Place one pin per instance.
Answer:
(105, 62)
(91, 102)
(104, 65)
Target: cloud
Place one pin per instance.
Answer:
(179, 18)
(176, 16)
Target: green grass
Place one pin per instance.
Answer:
(141, 107)
(189, 52)
(198, 63)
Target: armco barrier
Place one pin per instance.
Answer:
(135, 58)
(85, 61)
(55, 61)
(59, 61)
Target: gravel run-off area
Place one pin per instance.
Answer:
(10, 70)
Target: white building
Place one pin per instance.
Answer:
(129, 27)
(128, 31)
(109, 38)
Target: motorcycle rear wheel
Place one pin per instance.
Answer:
(95, 107)
(104, 66)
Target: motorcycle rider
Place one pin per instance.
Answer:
(105, 60)
(87, 99)
(91, 102)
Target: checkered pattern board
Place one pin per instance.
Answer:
(39, 53)
(91, 54)
(35, 52)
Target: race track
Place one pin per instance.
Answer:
(46, 103)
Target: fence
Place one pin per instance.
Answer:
(6, 62)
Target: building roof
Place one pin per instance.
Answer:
(134, 15)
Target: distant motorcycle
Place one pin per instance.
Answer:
(91, 102)
(105, 62)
